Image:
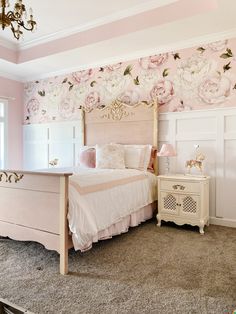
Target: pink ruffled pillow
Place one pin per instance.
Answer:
(87, 158)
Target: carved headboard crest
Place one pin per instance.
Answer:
(118, 110)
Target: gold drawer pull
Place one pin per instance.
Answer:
(176, 186)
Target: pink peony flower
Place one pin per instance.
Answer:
(180, 107)
(113, 67)
(45, 119)
(163, 91)
(82, 76)
(215, 89)
(92, 101)
(153, 62)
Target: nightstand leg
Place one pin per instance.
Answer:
(158, 221)
(201, 230)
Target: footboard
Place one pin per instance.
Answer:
(33, 207)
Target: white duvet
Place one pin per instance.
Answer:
(99, 198)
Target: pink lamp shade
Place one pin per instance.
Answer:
(167, 150)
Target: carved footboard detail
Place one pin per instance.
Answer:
(9, 176)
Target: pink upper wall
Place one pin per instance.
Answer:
(158, 16)
(202, 77)
(14, 89)
(8, 54)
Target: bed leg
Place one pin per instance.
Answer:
(64, 263)
(64, 225)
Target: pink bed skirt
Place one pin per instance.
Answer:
(123, 225)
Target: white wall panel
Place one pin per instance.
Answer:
(61, 131)
(35, 155)
(46, 142)
(197, 125)
(35, 132)
(215, 132)
(230, 123)
(227, 187)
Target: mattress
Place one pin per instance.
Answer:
(104, 202)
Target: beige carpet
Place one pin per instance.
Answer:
(148, 270)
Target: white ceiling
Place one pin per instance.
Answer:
(206, 27)
(61, 17)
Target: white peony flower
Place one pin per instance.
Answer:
(114, 83)
(66, 108)
(30, 88)
(147, 78)
(129, 97)
(218, 45)
(190, 73)
(215, 89)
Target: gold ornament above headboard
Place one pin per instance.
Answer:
(116, 111)
(119, 110)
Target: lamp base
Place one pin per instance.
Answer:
(167, 168)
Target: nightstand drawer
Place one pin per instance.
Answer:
(180, 186)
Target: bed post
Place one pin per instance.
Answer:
(64, 230)
(155, 132)
(83, 128)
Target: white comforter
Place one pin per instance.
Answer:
(99, 198)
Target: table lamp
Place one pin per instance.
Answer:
(167, 150)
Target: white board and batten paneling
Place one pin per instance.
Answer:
(49, 141)
(215, 131)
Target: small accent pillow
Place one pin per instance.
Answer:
(137, 156)
(110, 156)
(87, 157)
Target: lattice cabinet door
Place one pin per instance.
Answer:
(189, 205)
(183, 200)
(169, 203)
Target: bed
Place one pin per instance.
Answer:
(34, 204)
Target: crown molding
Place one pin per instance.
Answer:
(11, 76)
(200, 40)
(8, 44)
(138, 9)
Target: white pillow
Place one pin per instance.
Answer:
(137, 156)
(110, 156)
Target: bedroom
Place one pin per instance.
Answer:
(87, 83)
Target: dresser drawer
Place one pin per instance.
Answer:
(180, 186)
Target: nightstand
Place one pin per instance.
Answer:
(183, 199)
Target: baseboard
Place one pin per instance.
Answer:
(223, 222)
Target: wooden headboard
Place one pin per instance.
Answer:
(119, 123)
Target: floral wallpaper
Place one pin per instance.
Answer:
(202, 77)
